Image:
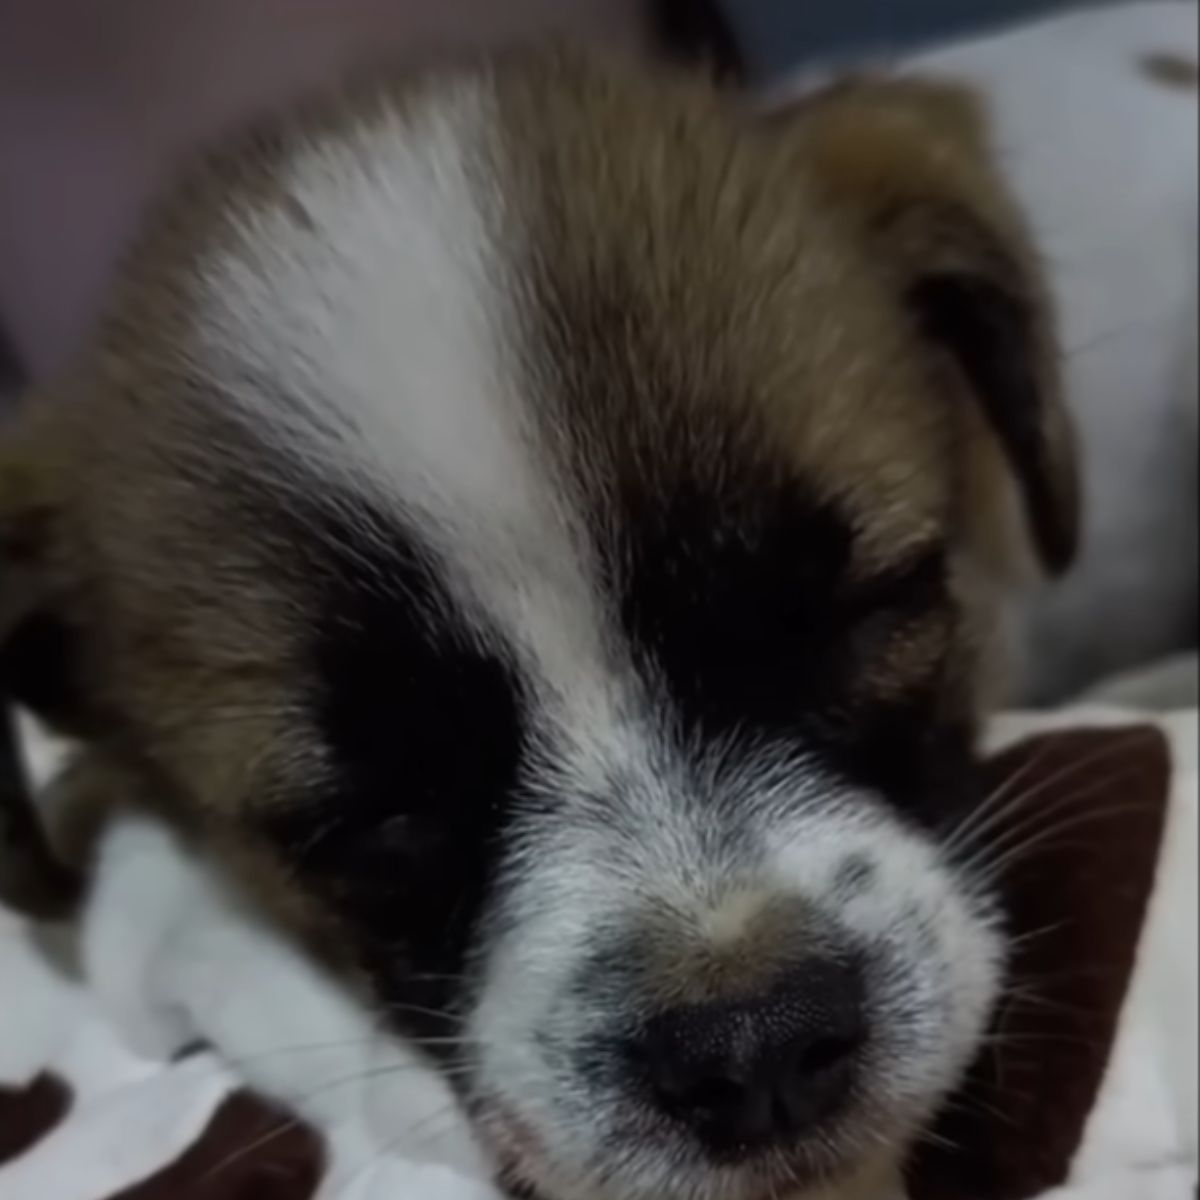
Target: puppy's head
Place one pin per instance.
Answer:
(534, 523)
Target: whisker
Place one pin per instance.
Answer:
(422, 1043)
(971, 829)
(1119, 745)
(231, 1160)
(1020, 1038)
(1044, 839)
(972, 1106)
(1005, 788)
(1026, 999)
(297, 1101)
(938, 1141)
(243, 1060)
(1030, 821)
(418, 1010)
(436, 977)
(1022, 940)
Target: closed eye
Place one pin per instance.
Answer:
(908, 588)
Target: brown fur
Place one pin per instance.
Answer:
(740, 338)
(910, 161)
(707, 266)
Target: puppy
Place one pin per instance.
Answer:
(542, 532)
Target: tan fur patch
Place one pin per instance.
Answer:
(747, 337)
(736, 950)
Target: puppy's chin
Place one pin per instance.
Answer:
(654, 1162)
(859, 1165)
(525, 1173)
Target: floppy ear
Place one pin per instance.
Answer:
(908, 162)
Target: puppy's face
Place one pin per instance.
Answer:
(533, 525)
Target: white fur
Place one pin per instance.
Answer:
(388, 327)
(383, 319)
(656, 847)
(174, 955)
(375, 315)
(943, 992)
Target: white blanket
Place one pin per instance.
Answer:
(167, 960)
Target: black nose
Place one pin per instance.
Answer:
(758, 1071)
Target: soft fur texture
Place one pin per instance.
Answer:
(538, 530)
(159, 923)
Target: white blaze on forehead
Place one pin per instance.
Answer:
(378, 303)
(367, 299)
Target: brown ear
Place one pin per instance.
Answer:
(908, 161)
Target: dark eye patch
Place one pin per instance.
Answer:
(901, 626)
(756, 622)
(423, 731)
(40, 668)
(724, 605)
(904, 589)
(750, 617)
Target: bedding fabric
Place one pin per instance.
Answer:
(103, 1095)
(84, 1116)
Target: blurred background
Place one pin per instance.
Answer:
(97, 97)
(778, 34)
(1096, 109)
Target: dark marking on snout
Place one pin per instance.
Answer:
(422, 729)
(658, 961)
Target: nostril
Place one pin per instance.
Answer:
(759, 1070)
(827, 1053)
(711, 1095)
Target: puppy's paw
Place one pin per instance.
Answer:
(137, 903)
